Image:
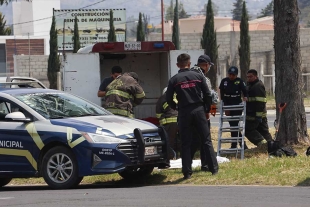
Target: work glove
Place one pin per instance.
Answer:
(213, 110)
(259, 119)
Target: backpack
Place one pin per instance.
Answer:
(277, 150)
(308, 151)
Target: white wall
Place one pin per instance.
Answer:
(24, 11)
(43, 9)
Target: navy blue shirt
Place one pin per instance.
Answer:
(105, 83)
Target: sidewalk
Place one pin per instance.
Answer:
(273, 111)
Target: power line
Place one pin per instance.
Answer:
(57, 15)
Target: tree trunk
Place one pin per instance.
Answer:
(289, 86)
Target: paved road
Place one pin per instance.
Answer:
(271, 117)
(172, 195)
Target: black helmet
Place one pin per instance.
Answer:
(233, 70)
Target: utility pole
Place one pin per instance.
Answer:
(162, 21)
(63, 40)
(29, 53)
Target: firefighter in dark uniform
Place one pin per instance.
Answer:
(231, 89)
(168, 119)
(203, 66)
(194, 101)
(123, 94)
(256, 125)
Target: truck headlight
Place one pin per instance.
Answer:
(99, 138)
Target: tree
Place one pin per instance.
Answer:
(53, 59)
(4, 30)
(146, 20)
(267, 11)
(182, 13)
(176, 29)
(7, 1)
(214, 7)
(209, 43)
(111, 35)
(237, 11)
(244, 48)
(76, 36)
(140, 32)
(169, 11)
(288, 73)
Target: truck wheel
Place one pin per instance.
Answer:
(134, 173)
(4, 181)
(60, 169)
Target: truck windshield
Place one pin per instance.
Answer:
(60, 105)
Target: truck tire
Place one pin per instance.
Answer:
(60, 169)
(4, 181)
(135, 173)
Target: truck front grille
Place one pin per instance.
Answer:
(131, 148)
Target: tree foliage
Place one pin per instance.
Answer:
(181, 11)
(267, 11)
(237, 11)
(4, 30)
(140, 31)
(209, 42)
(76, 36)
(214, 7)
(169, 12)
(146, 21)
(288, 73)
(7, 1)
(176, 29)
(53, 59)
(244, 48)
(111, 35)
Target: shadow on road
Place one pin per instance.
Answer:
(154, 179)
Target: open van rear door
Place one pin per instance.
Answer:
(82, 76)
(175, 53)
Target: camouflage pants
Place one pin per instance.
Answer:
(257, 131)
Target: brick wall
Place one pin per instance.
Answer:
(21, 46)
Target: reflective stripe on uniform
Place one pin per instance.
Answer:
(168, 120)
(21, 153)
(120, 112)
(250, 118)
(158, 115)
(34, 135)
(175, 98)
(165, 105)
(69, 138)
(259, 99)
(140, 95)
(259, 113)
(120, 93)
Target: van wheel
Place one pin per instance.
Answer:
(134, 173)
(4, 181)
(60, 169)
